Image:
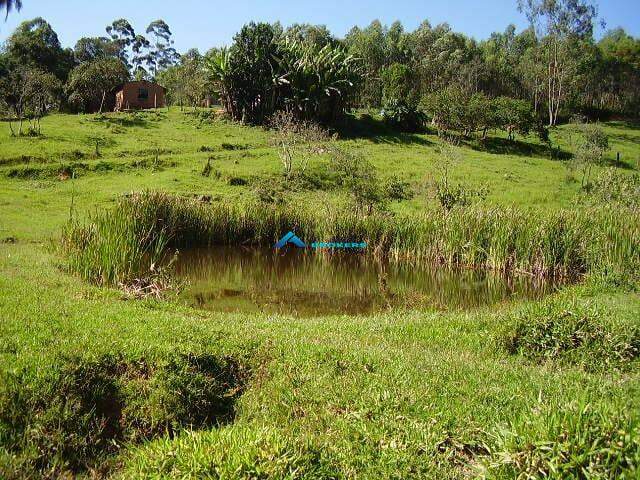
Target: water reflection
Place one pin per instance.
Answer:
(236, 279)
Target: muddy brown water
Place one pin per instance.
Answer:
(304, 283)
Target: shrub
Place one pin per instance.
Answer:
(617, 188)
(457, 195)
(396, 189)
(403, 116)
(237, 181)
(74, 417)
(573, 333)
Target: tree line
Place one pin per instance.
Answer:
(512, 80)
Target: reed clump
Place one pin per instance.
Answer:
(134, 237)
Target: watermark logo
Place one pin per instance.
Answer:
(292, 238)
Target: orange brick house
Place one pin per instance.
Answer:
(139, 95)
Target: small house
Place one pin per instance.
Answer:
(139, 95)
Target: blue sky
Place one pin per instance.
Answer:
(204, 24)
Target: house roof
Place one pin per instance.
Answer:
(138, 83)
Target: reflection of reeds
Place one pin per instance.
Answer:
(123, 242)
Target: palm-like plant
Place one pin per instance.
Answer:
(317, 83)
(216, 66)
(9, 5)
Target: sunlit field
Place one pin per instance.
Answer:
(99, 381)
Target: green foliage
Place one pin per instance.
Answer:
(458, 195)
(513, 116)
(453, 109)
(83, 410)
(573, 333)
(251, 63)
(616, 188)
(34, 44)
(576, 441)
(90, 82)
(396, 189)
(262, 73)
(405, 117)
(591, 149)
(316, 84)
(398, 84)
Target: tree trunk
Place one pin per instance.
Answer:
(104, 94)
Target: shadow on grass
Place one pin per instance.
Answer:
(625, 124)
(504, 146)
(623, 137)
(125, 120)
(376, 131)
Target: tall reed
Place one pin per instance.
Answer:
(124, 242)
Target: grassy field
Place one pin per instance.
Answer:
(97, 385)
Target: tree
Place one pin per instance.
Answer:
(9, 5)
(29, 93)
(35, 44)
(250, 73)
(559, 22)
(192, 76)
(512, 115)
(123, 36)
(92, 48)
(369, 45)
(89, 82)
(591, 150)
(162, 54)
(316, 36)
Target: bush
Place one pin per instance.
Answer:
(73, 418)
(237, 181)
(573, 333)
(396, 189)
(617, 188)
(403, 116)
(457, 195)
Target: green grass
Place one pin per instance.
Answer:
(401, 394)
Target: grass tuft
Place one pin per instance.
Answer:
(575, 333)
(574, 442)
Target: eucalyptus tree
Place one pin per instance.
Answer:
(9, 5)
(368, 44)
(558, 23)
(123, 36)
(87, 49)
(162, 54)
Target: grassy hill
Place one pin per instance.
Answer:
(94, 383)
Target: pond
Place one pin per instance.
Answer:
(298, 282)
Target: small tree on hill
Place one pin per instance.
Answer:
(29, 93)
(590, 150)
